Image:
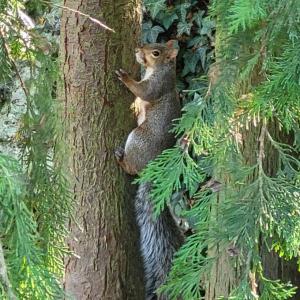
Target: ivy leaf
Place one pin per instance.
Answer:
(146, 28)
(182, 10)
(197, 41)
(191, 59)
(184, 27)
(168, 20)
(198, 17)
(207, 27)
(153, 33)
(190, 62)
(201, 53)
(155, 6)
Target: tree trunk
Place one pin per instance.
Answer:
(103, 234)
(226, 272)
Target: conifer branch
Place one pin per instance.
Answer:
(4, 277)
(14, 65)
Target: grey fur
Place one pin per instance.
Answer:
(160, 101)
(159, 239)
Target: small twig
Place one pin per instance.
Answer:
(14, 64)
(253, 284)
(261, 156)
(82, 14)
(4, 277)
(261, 140)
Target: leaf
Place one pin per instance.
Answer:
(198, 41)
(190, 62)
(168, 20)
(147, 26)
(198, 17)
(183, 27)
(207, 27)
(155, 6)
(146, 29)
(153, 33)
(191, 59)
(182, 10)
(201, 53)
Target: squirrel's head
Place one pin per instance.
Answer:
(151, 55)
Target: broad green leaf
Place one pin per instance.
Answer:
(207, 27)
(168, 19)
(190, 62)
(146, 28)
(198, 17)
(183, 27)
(201, 53)
(198, 40)
(153, 33)
(182, 10)
(155, 6)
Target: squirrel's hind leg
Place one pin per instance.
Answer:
(134, 157)
(123, 162)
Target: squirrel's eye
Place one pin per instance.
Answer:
(155, 53)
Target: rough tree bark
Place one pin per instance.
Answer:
(103, 236)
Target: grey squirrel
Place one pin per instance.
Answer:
(157, 105)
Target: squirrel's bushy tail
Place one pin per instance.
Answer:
(159, 239)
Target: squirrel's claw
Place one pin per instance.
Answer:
(121, 74)
(119, 153)
(118, 73)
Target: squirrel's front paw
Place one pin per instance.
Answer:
(119, 153)
(122, 75)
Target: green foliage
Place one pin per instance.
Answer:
(284, 102)
(5, 76)
(177, 169)
(274, 289)
(245, 14)
(242, 129)
(151, 33)
(35, 202)
(42, 157)
(184, 21)
(26, 260)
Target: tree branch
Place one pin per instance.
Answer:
(14, 64)
(82, 14)
(4, 277)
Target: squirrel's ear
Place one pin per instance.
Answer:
(172, 53)
(171, 43)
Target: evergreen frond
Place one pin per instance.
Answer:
(35, 201)
(254, 89)
(245, 14)
(19, 233)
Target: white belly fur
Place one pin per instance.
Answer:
(141, 107)
(140, 104)
(148, 73)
